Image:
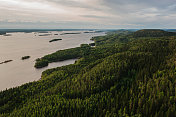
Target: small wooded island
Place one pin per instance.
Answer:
(25, 57)
(70, 33)
(7, 61)
(53, 40)
(45, 35)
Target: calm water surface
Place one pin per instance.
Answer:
(17, 45)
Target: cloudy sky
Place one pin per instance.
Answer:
(111, 14)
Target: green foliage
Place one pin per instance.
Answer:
(59, 56)
(25, 57)
(120, 77)
(153, 33)
(41, 63)
(53, 40)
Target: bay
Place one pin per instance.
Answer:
(36, 45)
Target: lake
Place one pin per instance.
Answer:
(13, 46)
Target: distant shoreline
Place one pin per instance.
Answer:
(42, 30)
(4, 31)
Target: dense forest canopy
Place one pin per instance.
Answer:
(153, 33)
(125, 74)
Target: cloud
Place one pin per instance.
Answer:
(88, 13)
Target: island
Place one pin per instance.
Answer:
(53, 40)
(98, 31)
(89, 32)
(25, 57)
(45, 35)
(70, 33)
(7, 61)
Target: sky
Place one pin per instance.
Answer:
(87, 14)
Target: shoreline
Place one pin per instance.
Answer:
(49, 67)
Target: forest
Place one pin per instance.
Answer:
(126, 74)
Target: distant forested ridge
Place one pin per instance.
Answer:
(153, 33)
(2, 33)
(125, 75)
